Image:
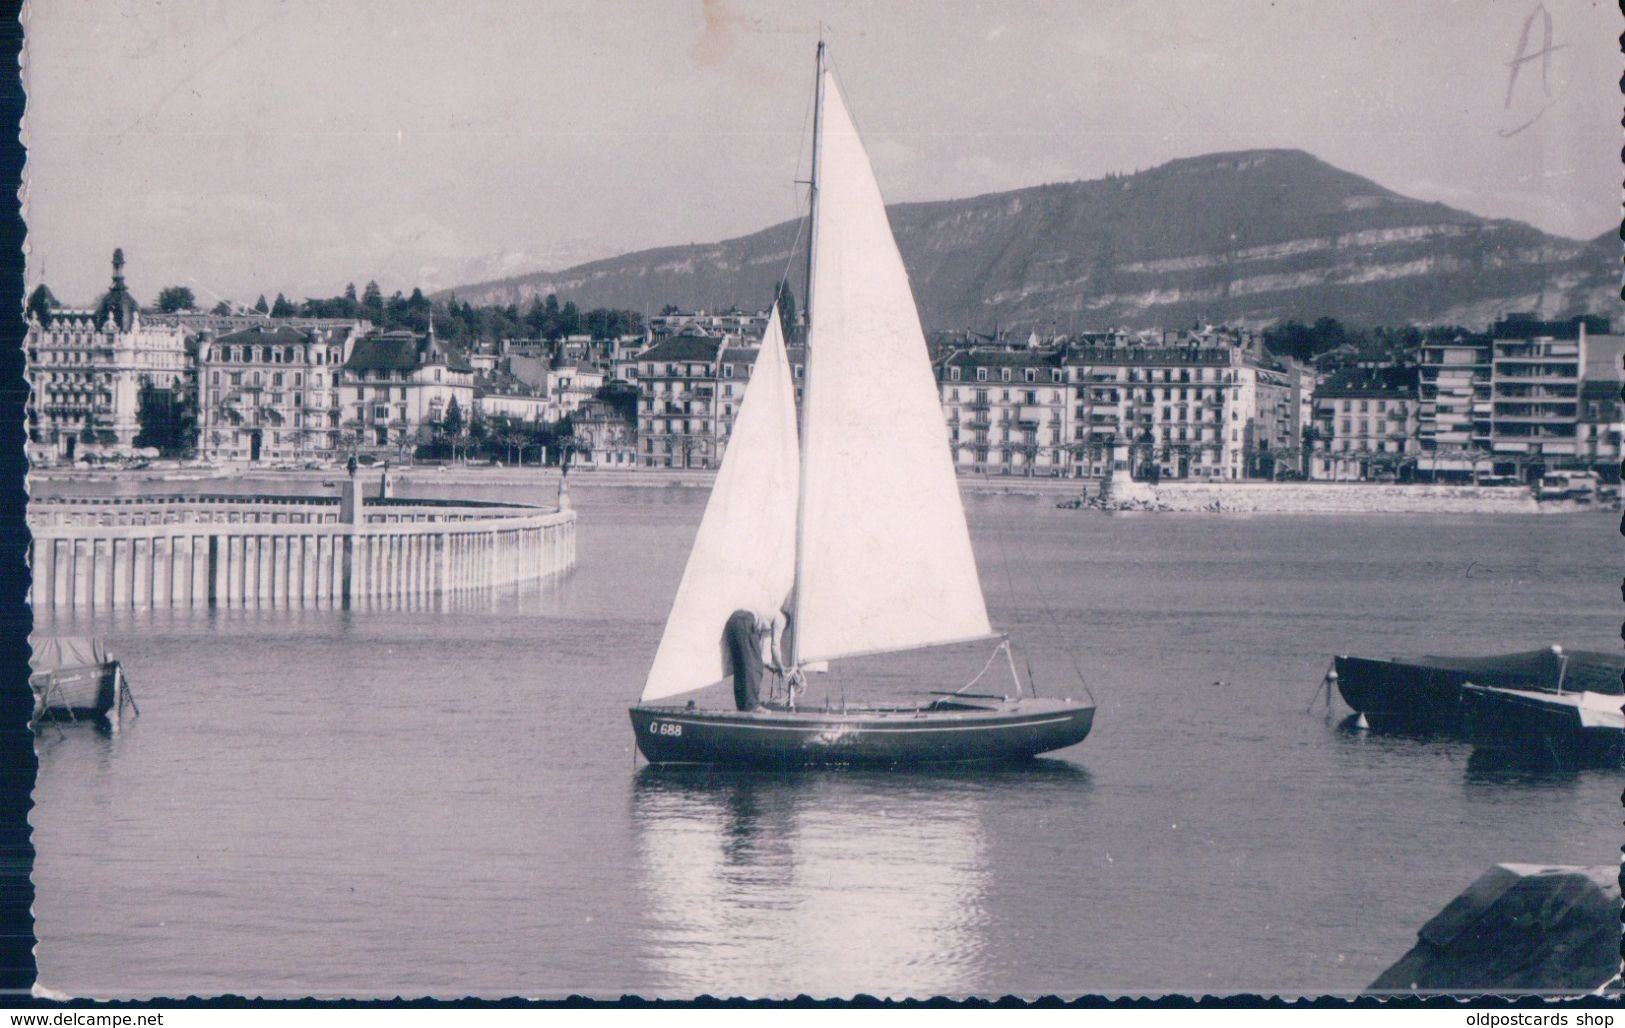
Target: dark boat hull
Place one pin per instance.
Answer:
(76, 692)
(1537, 729)
(937, 734)
(1424, 694)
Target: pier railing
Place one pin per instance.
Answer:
(232, 552)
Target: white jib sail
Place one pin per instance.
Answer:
(744, 553)
(887, 561)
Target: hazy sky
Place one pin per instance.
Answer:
(246, 146)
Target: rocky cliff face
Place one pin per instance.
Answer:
(1243, 238)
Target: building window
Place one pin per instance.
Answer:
(1004, 374)
(981, 374)
(1032, 374)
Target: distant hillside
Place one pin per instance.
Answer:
(1245, 238)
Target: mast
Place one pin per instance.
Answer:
(794, 656)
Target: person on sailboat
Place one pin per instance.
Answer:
(752, 643)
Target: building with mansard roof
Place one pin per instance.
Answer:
(87, 369)
(1184, 408)
(398, 385)
(1368, 424)
(273, 393)
(1008, 412)
(677, 402)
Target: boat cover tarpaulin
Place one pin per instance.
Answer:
(57, 652)
(1518, 928)
(1581, 670)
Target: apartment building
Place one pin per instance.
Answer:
(1007, 411)
(1368, 425)
(677, 402)
(273, 393)
(397, 385)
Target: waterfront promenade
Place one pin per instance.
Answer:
(234, 542)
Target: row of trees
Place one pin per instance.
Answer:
(502, 438)
(458, 321)
(1309, 342)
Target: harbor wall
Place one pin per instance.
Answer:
(284, 552)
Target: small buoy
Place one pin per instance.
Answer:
(1361, 723)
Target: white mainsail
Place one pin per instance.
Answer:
(744, 553)
(886, 560)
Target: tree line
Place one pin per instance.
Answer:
(1309, 343)
(455, 320)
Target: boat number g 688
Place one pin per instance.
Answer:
(665, 728)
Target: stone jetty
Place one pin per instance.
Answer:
(1520, 928)
(227, 551)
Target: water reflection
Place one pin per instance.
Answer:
(1531, 767)
(824, 882)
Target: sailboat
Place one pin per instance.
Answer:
(851, 528)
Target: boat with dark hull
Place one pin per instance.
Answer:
(947, 731)
(1565, 730)
(1423, 694)
(842, 536)
(75, 679)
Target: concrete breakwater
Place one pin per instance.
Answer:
(284, 552)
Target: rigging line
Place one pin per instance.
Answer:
(795, 207)
(1010, 588)
(1004, 644)
(1045, 601)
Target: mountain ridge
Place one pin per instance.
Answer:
(1243, 237)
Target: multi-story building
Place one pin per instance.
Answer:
(398, 385)
(1601, 425)
(1453, 417)
(734, 364)
(498, 394)
(734, 322)
(1367, 425)
(1535, 373)
(1007, 411)
(572, 382)
(604, 437)
(273, 393)
(88, 367)
(677, 397)
(623, 357)
(1166, 410)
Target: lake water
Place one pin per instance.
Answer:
(448, 803)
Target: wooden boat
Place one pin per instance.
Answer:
(849, 529)
(74, 678)
(1423, 694)
(1563, 729)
